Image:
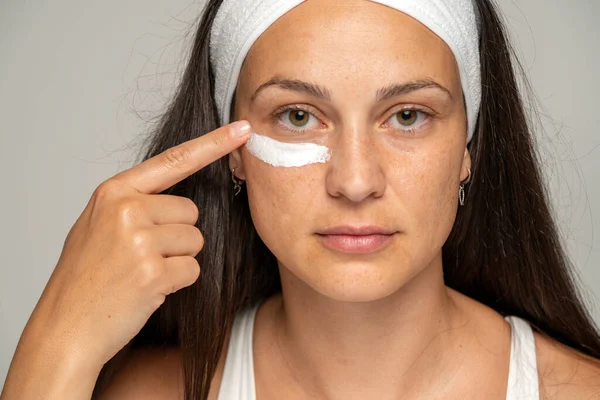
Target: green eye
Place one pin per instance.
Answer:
(295, 118)
(299, 117)
(409, 120)
(407, 117)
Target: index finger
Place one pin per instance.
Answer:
(177, 163)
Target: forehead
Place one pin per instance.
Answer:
(350, 41)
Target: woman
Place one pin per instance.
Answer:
(418, 259)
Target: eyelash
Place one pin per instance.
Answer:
(277, 114)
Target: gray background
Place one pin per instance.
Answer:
(79, 81)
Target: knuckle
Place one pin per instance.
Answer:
(199, 239)
(141, 242)
(191, 265)
(128, 209)
(106, 196)
(107, 190)
(194, 211)
(177, 156)
(194, 267)
(150, 271)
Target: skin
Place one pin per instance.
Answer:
(380, 325)
(344, 319)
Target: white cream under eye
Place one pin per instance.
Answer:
(280, 154)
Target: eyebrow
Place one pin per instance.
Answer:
(321, 92)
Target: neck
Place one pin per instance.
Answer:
(392, 346)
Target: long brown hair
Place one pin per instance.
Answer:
(504, 249)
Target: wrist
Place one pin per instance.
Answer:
(46, 368)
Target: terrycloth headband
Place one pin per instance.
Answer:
(239, 23)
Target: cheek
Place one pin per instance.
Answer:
(426, 183)
(279, 199)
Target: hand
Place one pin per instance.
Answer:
(129, 249)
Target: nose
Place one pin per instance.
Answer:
(355, 170)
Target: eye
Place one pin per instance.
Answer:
(295, 118)
(408, 120)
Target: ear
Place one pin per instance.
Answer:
(235, 161)
(466, 166)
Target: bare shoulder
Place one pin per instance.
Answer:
(565, 373)
(155, 374)
(150, 374)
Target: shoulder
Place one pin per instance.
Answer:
(155, 374)
(565, 373)
(150, 374)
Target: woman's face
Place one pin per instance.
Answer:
(397, 157)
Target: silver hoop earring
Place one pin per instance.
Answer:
(461, 188)
(237, 183)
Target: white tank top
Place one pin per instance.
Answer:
(238, 375)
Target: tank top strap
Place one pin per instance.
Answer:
(522, 374)
(238, 374)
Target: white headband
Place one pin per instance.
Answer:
(239, 23)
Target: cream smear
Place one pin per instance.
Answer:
(279, 154)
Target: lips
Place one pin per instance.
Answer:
(356, 239)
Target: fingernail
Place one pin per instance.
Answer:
(240, 129)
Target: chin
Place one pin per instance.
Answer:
(356, 282)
